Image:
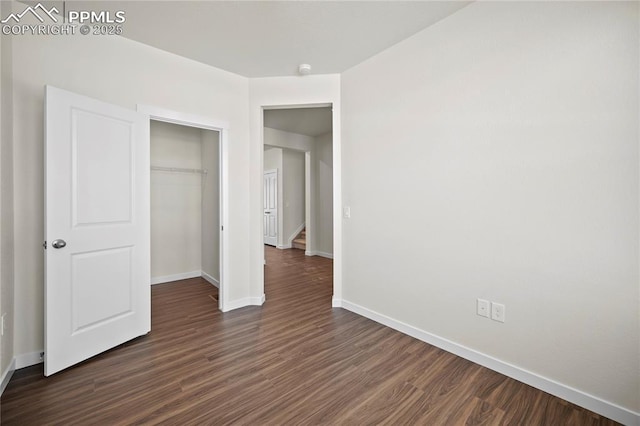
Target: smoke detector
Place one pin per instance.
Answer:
(304, 69)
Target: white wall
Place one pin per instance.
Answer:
(288, 140)
(272, 158)
(211, 205)
(324, 202)
(6, 197)
(293, 193)
(176, 202)
(290, 92)
(126, 73)
(495, 154)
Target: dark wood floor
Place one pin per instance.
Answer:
(293, 361)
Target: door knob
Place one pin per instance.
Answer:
(58, 244)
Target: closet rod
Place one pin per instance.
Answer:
(179, 169)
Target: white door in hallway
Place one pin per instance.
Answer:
(97, 228)
(270, 219)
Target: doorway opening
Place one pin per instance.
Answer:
(189, 198)
(185, 222)
(298, 180)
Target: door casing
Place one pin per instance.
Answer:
(192, 120)
(337, 184)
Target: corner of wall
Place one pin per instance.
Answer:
(6, 376)
(6, 203)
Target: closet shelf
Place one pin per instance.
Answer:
(178, 170)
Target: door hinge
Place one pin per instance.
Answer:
(44, 245)
(222, 228)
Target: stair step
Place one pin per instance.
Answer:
(300, 242)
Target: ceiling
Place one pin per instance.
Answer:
(271, 38)
(304, 121)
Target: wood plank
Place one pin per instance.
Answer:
(296, 360)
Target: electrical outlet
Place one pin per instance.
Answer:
(482, 307)
(498, 312)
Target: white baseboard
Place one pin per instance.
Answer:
(324, 254)
(243, 303)
(6, 375)
(27, 360)
(259, 301)
(210, 279)
(575, 396)
(285, 246)
(175, 277)
(318, 253)
(235, 304)
(336, 303)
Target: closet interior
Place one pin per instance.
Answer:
(185, 236)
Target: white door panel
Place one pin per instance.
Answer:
(107, 289)
(97, 287)
(270, 223)
(100, 144)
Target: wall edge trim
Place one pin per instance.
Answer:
(318, 253)
(210, 279)
(244, 302)
(175, 277)
(6, 375)
(28, 359)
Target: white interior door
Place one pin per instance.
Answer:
(97, 228)
(270, 227)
